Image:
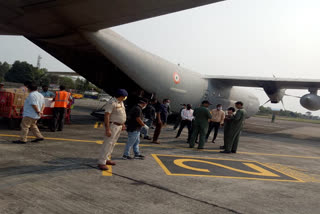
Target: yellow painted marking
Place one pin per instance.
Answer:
(98, 125)
(155, 156)
(107, 172)
(169, 147)
(161, 164)
(242, 178)
(266, 165)
(99, 142)
(261, 171)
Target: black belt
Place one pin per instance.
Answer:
(115, 123)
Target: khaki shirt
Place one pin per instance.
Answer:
(117, 111)
(217, 116)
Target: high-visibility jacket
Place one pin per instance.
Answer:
(61, 99)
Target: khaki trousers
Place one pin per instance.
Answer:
(29, 123)
(109, 143)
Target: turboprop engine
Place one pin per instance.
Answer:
(310, 102)
(275, 95)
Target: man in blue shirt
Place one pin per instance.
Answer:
(46, 93)
(135, 123)
(32, 111)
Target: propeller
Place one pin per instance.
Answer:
(266, 102)
(284, 108)
(289, 95)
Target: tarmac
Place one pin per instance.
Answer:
(276, 170)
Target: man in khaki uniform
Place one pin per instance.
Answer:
(114, 119)
(217, 120)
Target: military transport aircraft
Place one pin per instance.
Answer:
(74, 31)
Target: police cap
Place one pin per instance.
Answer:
(121, 93)
(206, 102)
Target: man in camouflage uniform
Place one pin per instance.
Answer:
(200, 124)
(236, 128)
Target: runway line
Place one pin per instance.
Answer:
(166, 147)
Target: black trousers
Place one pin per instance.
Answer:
(58, 118)
(215, 126)
(184, 123)
(177, 123)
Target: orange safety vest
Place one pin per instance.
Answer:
(61, 99)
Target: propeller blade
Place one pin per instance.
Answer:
(266, 102)
(288, 95)
(283, 105)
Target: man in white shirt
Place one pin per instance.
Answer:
(217, 120)
(187, 117)
(32, 111)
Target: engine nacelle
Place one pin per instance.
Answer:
(310, 102)
(275, 95)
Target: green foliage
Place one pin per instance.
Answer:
(20, 72)
(265, 110)
(4, 68)
(85, 85)
(282, 113)
(67, 82)
(53, 79)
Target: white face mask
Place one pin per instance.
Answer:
(167, 104)
(220, 108)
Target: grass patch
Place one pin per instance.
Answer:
(301, 120)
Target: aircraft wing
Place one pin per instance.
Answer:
(279, 83)
(53, 18)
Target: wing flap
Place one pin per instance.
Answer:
(279, 83)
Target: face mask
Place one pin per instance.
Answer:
(167, 104)
(125, 98)
(143, 107)
(220, 108)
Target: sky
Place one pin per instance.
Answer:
(261, 38)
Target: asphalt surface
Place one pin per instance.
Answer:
(276, 170)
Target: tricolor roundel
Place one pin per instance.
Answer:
(176, 78)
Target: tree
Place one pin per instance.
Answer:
(39, 75)
(67, 82)
(20, 72)
(4, 68)
(265, 110)
(53, 79)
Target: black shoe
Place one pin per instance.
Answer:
(234, 151)
(124, 157)
(59, 130)
(191, 147)
(227, 152)
(19, 142)
(139, 157)
(213, 141)
(197, 142)
(147, 138)
(176, 136)
(221, 147)
(200, 148)
(37, 140)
